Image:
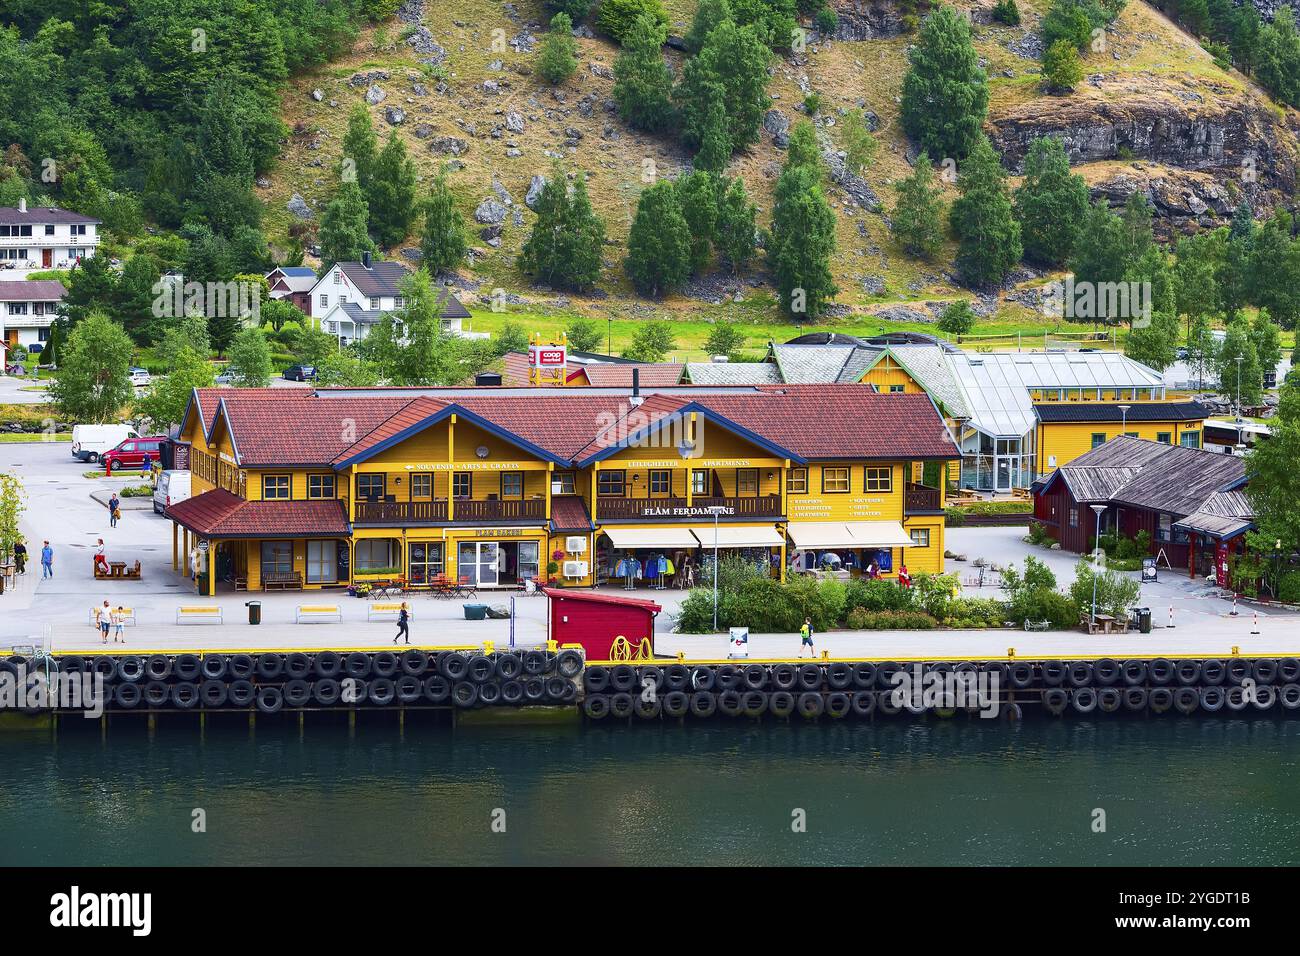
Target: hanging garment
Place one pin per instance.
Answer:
(885, 560)
(851, 559)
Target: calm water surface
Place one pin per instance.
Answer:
(1174, 791)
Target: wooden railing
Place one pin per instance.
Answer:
(676, 509)
(917, 498)
(466, 510)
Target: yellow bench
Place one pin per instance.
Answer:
(383, 610)
(316, 613)
(199, 614)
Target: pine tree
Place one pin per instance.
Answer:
(221, 146)
(563, 249)
(802, 242)
(643, 84)
(803, 149)
(737, 59)
(442, 244)
(659, 243)
(360, 145)
(919, 214)
(1240, 382)
(343, 235)
(736, 231)
(390, 194)
(982, 219)
(945, 91)
(1050, 203)
(1098, 254)
(715, 136)
(698, 193)
(559, 57)
(708, 15)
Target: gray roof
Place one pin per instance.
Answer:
(32, 290)
(11, 216)
(928, 365)
(817, 364)
(1111, 412)
(733, 373)
(1157, 477)
(450, 307)
(382, 278)
(1224, 514)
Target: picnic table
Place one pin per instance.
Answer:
(441, 586)
(388, 588)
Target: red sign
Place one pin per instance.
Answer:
(549, 356)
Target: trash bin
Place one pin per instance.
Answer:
(254, 611)
(475, 612)
(1141, 616)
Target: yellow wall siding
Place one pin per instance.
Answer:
(928, 560)
(857, 505)
(887, 373)
(1067, 441)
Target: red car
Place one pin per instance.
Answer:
(131, 453)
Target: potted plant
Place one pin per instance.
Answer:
(553, 574)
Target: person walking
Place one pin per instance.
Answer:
(47, 561)
(806, 638)
(20, 556)
(119, 624)
(114, 504)
(146, 464)
(403, 623)
(103, 617)
(101, 559)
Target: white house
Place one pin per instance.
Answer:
(42, 237)
(28, 309)
(351, 297)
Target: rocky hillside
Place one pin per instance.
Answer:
(456, 80)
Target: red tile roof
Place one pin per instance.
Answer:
(219, 514)
(612, 375)
(569, 513)
(596, 597)
(300, 429)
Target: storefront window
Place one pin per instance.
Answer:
(275, 487)
(661, 482)
(374, 554)
(879, 479)
(835, 481)
(370, 487)
(277, 557)
(1190, 439)
(320, 486)
(425, 561)
(462, 485)
(796, 482)
(512, 484)
(562, 483)
(610, 484)
(747, 482)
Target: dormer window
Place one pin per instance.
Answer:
(374, 304)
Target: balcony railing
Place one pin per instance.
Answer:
(466, 510)
(919, 498)
(768, 506)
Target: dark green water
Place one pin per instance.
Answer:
(1174, 791)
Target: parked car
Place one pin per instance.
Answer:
(92, 442)
(140, 377)
(300, 373)
(130, 454)
(225, 378)
(173, 488)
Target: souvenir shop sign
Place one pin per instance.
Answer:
(694, 511)
(476, 466)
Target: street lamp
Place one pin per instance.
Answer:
(1098, 509)
(1123, 427)
(1240, 359)
(716, 511)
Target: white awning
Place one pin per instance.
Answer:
(879, 534)
(740, 536)
(651, 537)
(821, 534)
(848, 534)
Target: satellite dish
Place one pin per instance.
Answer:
(481, 451)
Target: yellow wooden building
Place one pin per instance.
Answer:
(497, 486)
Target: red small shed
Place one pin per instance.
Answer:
(594, 620)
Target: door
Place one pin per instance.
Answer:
(529, 552)
(47, 258)
(322, 562)
(477, 561)
(1002, 479)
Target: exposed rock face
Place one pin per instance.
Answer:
(867, 19)
(1231, 137)
(1181, 200)
(298, 206)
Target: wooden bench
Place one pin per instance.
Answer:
(199, 614)
(117, 571)
(128, 614)
(317, 614)
(283, 580)
(383, 611)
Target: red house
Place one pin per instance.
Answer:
(594, 620)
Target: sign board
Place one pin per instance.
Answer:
(547, 362)
(695, 511)
(739, 643)
(181, 456)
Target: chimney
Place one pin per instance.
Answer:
(22, 204)
(365, 259)
(636, 387)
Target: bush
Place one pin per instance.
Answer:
(1115, 592)
(136, 491)
(934, 591)
(861, 619)
(954, 517)
(877, 595)
(975, 612)
(827, 21)
(1006, 11)
(1288, 587)
(1038, 533)
(615, 17)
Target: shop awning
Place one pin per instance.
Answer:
(848, 534)
(629, 538)
(740, 536)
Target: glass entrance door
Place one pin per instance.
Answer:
(322, 562)
(528, 560)
(477, 560)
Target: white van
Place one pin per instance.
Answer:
(90, 442)
(173, 487)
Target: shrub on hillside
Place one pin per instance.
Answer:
(615, 17)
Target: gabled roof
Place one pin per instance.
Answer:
(809, 364)
(649, 374)
(12, 216)
(732, 373)
(293, 278)
(32, 290)
(569, 513)
(293, 427)
(380, 279)
(1064, 412)
(1225, 514)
